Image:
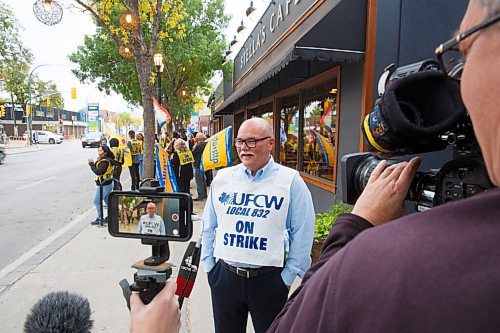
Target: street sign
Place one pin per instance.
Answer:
(93, 107)
(93, 116)
(93, 125)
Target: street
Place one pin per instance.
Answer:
(40, 192)
(49, 190)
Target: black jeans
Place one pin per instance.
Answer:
(116, 175)
(233, 297)
(134, 175)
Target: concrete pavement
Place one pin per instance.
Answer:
(86, 260)
(21, 147)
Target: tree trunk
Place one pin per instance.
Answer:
(143, 66)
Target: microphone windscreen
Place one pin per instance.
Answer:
(59, 312)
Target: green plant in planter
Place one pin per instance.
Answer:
(324, 221)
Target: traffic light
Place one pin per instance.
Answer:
(2, 111)
(48, 101)
(73, 93)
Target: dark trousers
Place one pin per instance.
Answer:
(184, 184)
(209, 176)
(134, 175)
(116, 175)
(233, 297)
(201, 187)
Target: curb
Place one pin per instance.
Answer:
(16, 270)
(22, 150)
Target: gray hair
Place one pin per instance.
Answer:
(491, 7)
(180, 145)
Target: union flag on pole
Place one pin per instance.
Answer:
(164, 170)
(162, 115)
(217, 152)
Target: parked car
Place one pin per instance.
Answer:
(93, 139)
(46, 137)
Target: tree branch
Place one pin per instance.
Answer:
(156, 26)
(100, 21)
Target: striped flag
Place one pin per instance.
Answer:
(164, 170)
(162, 115)
(326, 147)
(326, 118)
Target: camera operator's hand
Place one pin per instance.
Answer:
(382, 199)
(162, 315)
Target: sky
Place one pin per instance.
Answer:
(51, 46)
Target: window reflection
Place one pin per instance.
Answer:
(289, 130)
(320, 119)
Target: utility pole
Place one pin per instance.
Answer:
(29, 111)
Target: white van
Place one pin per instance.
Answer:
(46, 137)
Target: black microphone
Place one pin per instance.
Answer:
(188, 270)
(60, 311)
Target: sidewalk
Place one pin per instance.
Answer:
(88, 261)
(20, 147)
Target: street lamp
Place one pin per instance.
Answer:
(158, 60)
(125, 51)
(29, 111)
(48, 12)
(128, 20)
(233, 42)
(241, 28)
(184, 92)
(250, 10)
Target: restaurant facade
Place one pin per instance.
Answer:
(71, 124)
(311, 68)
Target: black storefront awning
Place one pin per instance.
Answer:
(327, 54)
(334, 34)
(336, 56)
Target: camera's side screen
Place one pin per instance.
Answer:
(164, 216)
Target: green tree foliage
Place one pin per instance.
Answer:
(15, 63)
(155, 20)
(15, 59)
(41, 90)
(11, 48)
(99, 61)
(190, 60)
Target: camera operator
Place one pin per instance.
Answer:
(435, 271)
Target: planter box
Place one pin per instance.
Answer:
(316, 251)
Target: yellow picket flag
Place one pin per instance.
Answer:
(164, 170)
(217, 152)
(122, 145)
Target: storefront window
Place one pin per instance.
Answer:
(320, 128)
(39, 113)
(239, 118)
(289, 130)
(50, 113)
(265, 111)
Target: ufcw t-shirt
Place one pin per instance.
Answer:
(151, 225)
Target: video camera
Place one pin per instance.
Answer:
(420, 110)
(155, 217)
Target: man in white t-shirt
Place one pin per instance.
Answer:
(151, 224)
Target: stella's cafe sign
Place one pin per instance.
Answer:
(278, 18)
